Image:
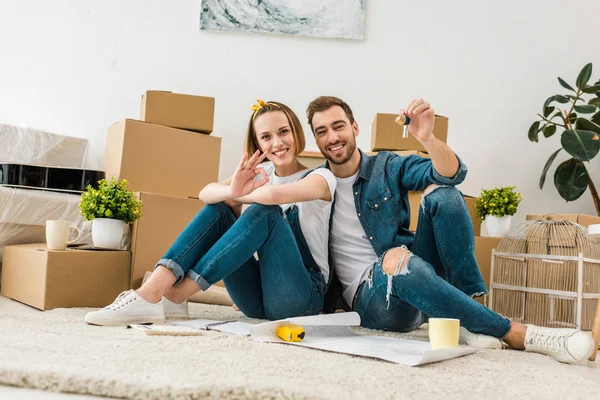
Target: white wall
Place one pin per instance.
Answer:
(75, 67)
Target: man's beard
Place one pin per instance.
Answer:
(350, 148)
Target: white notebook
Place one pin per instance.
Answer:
(235, 327)
(166, 330)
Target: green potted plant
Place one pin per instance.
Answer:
(111, 208)
(495, 207)
(578, 120)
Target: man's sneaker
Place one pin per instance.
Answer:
(128, 308)
(174, 310)
(565, 345)
(479, 340)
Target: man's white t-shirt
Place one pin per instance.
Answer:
(314, 215)
(352, 252)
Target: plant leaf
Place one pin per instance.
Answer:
(596, 118)
(548, 111)
(556, 114)
(560, 98)
(587, 125)
(595, 102)
(591, 89)
(571, 179)
(533, 131)
(572, 117)
(549, 130)
(585, 109)
(584, 75)
(581, 144)
(548, 101)
(564, 84)
(547, 166)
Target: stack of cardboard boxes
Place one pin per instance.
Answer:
(167, 156)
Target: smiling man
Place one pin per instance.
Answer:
(395, 279)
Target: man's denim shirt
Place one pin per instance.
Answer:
(381, 195)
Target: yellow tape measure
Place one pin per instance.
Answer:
(291, 333)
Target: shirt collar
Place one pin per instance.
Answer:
(365, 168)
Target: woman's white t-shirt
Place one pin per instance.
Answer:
(314, 215)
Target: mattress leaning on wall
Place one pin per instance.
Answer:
(23, 212)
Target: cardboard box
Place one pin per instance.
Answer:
(47, 279)
(163, 220)
(414, 200)
(158, 159)
(470, 200)
(387, 134)
(581, 219)
(183, 111)
(311, 159)
(483, 254)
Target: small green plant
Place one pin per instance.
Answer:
(111, 200)
(497, 202)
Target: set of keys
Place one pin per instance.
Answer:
(403, 120)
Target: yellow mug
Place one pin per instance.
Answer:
(444, 333)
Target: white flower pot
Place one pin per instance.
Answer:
(497, 227)
(109, 233)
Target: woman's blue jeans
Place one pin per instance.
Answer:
(284, 281)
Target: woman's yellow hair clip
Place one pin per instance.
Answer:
(260, 104)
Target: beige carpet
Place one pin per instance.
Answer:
(56, 351)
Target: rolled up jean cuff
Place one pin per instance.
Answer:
(173, 266)
(200, 281)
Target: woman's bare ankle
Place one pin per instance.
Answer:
(515, 337)
(149, 294)
(157, 284)
(173, 296)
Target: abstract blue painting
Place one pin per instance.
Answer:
(321, 18)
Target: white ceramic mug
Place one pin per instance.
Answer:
(57, 234)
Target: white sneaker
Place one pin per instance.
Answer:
(479, 340)
(128, 308)
(174, 310)
(565, 345)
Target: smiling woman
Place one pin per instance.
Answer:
(275, 129)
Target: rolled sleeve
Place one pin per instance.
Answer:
(457, 179)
